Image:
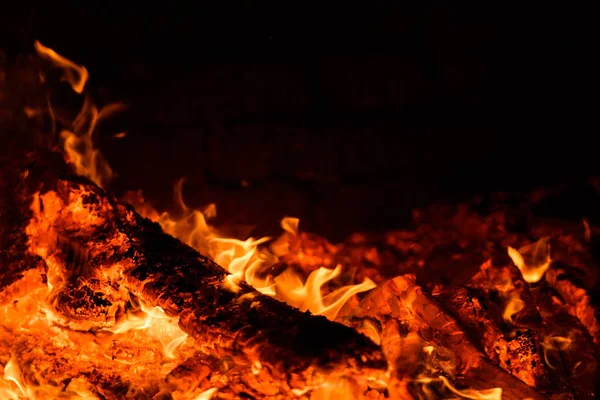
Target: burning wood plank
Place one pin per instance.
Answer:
(15, 213)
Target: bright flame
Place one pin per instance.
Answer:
(514, 305)
(307, 296)
(433, 379)
(346, 389)
(77, 141)
(123, 337)
(157, 324)
(207, 394)
(75, 75)
(12, 373)
(554, 343)
(487, 394)
(79, 147)
(246, 260)
(532, 260)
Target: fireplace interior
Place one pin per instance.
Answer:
(426, 173)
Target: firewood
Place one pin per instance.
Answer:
(518, 353)
(401, 300)
(569, 352)
(14, 210)
(576, 297)
(109, 245)
(568, 349)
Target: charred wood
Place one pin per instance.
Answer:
(576, 297)
(415, 320)
(291, 349)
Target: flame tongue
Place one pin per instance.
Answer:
(246, 260)
(75, 75)
(77, 139)
(532, 260)
(13, 373)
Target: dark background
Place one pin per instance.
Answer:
(346, 116)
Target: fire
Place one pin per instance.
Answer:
(514, 305)
(81, 324)
(77, 142)
(434, 383)
(142, 343)
(553, 344)
(246, 260)
(79, 147)
(75, 75)
(206, 395)
(502, 282)
(587, 231)
(155, 323)
(532, 260)
(13, 374)
(487, 394)
(136, 341)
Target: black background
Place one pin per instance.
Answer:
(345, 115)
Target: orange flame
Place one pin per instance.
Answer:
(532, 260)
(587, 231)
(149, 328)
(553, 344)
(77, 142)
(307, 296)
(514, 305)
(75, 75)
(246, 260)
(143, 344)
(206, 395)
(12, 373)
(79, 147)
(433, 376)
(486, 394)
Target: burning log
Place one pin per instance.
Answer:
(518, 353)
(515, 318)
(568, 348)
(412, 322)
(570, 355)
(576, 298)
(15, 214)
(570, 319)
(267, 331)
(102, 262)
(505, 316)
